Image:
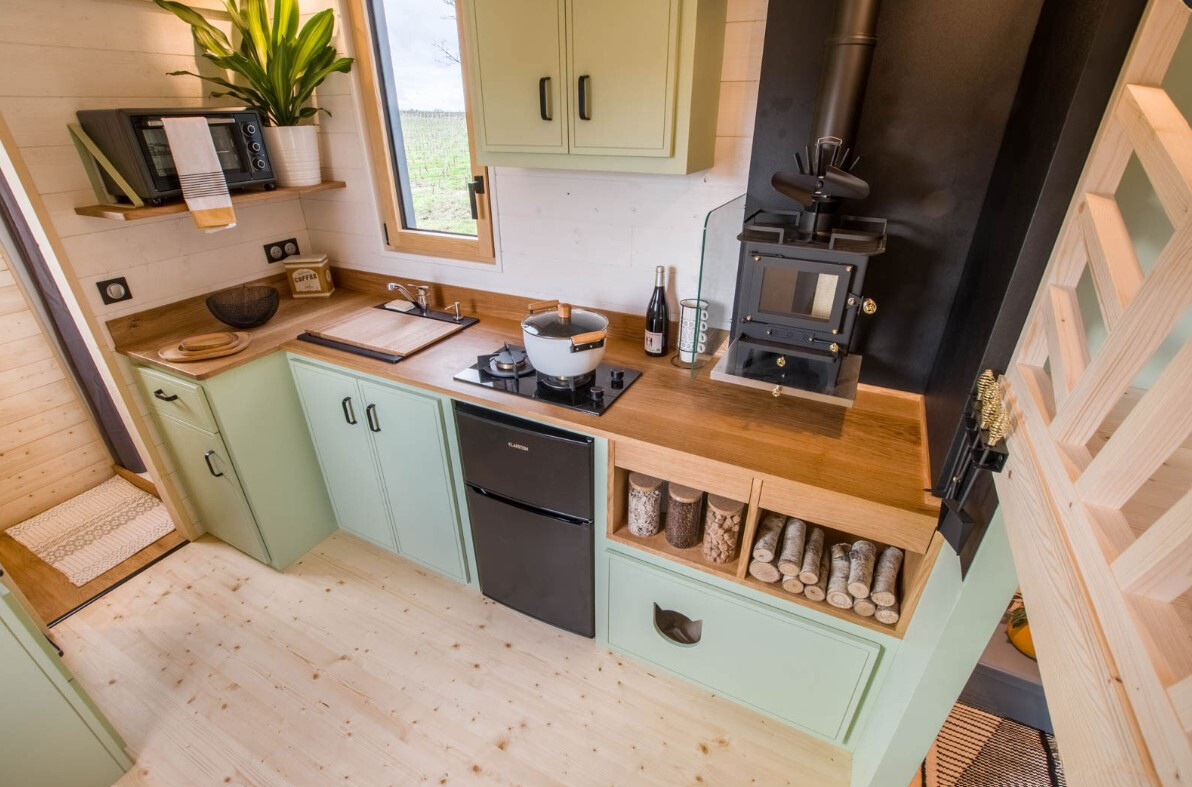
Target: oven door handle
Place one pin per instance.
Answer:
(211, 121)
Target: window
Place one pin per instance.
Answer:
(433, 195)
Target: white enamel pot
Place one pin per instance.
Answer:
(294, 152)
(562, 341)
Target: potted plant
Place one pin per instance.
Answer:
(278, 66)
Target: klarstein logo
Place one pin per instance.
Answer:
(518, 446)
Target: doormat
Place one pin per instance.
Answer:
(95, 531)
(978, 749)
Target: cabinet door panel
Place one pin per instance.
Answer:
(46, 740)
(345, 452)
(624, 52)
(214, 490)
(416, 475)
(513, 46)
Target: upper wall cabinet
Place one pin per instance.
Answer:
(616, 85)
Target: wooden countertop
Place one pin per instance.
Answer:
(872, 451)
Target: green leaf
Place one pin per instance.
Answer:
(256, 26)
(285, 20)
(315, 35)
(207, 36)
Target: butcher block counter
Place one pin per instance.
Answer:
(866, 464)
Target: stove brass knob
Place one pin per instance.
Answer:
(776, 392)
(834, 347)
(781, 361)
(869, 306)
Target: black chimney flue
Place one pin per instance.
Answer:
(847, 58)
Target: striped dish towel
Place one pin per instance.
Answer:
(199, 172)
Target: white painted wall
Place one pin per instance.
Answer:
(590, 237)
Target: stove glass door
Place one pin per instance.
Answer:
(799, 293)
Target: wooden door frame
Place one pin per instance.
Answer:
(1115, 657)
(121, 389)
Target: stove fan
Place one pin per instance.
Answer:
(822, 180)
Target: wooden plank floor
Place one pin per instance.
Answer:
(48, 590)
(356, 667)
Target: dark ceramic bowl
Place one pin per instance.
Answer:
(244, 307)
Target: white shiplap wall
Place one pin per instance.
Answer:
(59, 56)
(590, 237)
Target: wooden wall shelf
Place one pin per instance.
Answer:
(129, 213)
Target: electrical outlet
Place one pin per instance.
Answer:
(114, 290)
(280, 249)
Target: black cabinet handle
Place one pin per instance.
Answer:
(210, 467)
(370, 413)
(160, 394)
(584, 114)
(543, 112)
(349, 411)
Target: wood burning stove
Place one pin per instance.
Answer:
(801, 273)
(797, 305)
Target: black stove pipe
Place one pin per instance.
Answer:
(848, 56)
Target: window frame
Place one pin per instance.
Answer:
(378, 135)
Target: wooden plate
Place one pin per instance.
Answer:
(207, 341)
(174, 352)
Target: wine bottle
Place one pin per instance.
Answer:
(657, 320)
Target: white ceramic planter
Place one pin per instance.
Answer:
(294, 151)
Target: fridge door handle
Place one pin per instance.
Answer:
(509, 501)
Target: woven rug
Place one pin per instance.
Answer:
(978, 749)
(91, 533)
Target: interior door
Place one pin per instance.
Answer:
(407, 430)
(1097, 491)
(207, 472)
(622, 69)
(335, 414)
(518, 77)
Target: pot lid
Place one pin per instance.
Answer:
(563, 322)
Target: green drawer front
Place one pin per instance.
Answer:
(806, 674)
(179, 399)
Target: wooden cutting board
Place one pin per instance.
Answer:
(387, 332)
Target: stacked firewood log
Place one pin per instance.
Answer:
(856, 576)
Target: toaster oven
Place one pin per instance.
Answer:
(135, 141)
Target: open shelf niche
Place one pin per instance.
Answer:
(761, 495)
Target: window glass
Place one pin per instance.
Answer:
(419, 55)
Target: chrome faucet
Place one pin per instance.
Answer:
(420, 299)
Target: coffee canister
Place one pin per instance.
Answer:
(309, 276)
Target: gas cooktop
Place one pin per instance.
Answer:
(508, 369)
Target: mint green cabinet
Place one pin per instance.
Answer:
(615, 85)
(244, 457)
(805, 674)
(215, 492)
(335, 414)
(520, 74)
(384, 453)
(408, 432)
(50, 733)
(626, 52)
